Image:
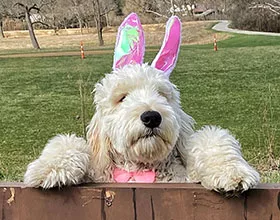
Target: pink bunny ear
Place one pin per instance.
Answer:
(130, 43)
(167, 56)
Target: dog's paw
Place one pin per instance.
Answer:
(233, 181)
(215, 159)
(64, 161)
(41, 174)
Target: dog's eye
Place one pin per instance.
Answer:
(164, 95)
(122, 98)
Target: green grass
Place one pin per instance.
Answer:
(241, 40)
(236, 87)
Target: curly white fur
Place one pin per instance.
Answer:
(214, 159)
(118, 138)
(64, 161)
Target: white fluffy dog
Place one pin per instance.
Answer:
(139, 132)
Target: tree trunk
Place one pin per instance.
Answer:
(80, 25)
(99, 27)
(31, 30)
(107, 20)
(1, 30)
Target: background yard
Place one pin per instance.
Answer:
(237, 87)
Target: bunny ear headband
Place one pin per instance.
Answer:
(130, 44)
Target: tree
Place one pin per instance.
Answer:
(25, 10)
(118, 9)
(26, 14)
(82, 11)
(100, 9)
(52, 14)
(272, 6)
(161, 8)
(2, 16)
(97, 17)
(5, 11)
(263, 15)
(1, 25)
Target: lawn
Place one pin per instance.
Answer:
(236, 87)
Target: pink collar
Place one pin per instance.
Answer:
(145, 176)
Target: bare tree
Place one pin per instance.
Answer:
(1, 26)
(25, 11)
(58, 14)
(273, 6)
(119, 7)
(26, 15)
(78, 12)
(98, 23)
(82, 11)
(100, 9)
(261, 15)
(5, 12)
(52, 14)
(162, 8)
(2, 16)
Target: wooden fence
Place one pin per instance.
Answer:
(136, 202)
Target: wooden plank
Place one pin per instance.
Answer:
(164, 204)
(211, 205)
(136, 201)
(122, 204)
(2, 214)
(68, 203)
(264, 203)
(186, 204)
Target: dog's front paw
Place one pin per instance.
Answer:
(64, 161)
(232, 181)
(215, 160)
(38, 174)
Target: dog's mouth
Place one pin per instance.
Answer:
(152, 133)
(149, 147)
(149, 134)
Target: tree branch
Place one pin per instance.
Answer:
(19, 4)
(266, 6)
(20, 16)
(108, 10)
(276, 12)
(43, 4)
(277, 1)
(156, 13)
(272, 6)
(34, 7)
(40, 22)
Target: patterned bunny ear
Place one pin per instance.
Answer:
(130, 43)
(167, 56)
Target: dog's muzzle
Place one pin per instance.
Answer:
(151, 119)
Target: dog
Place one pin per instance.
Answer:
(139, 132)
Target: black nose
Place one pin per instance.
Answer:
(151, 119)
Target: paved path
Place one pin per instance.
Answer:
(223, 26)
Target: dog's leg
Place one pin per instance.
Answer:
(214, 159)
(64, 161)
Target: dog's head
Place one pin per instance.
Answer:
(138, 116)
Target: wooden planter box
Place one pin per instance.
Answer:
(136, 202)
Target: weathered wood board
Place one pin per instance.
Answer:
(136, 202)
